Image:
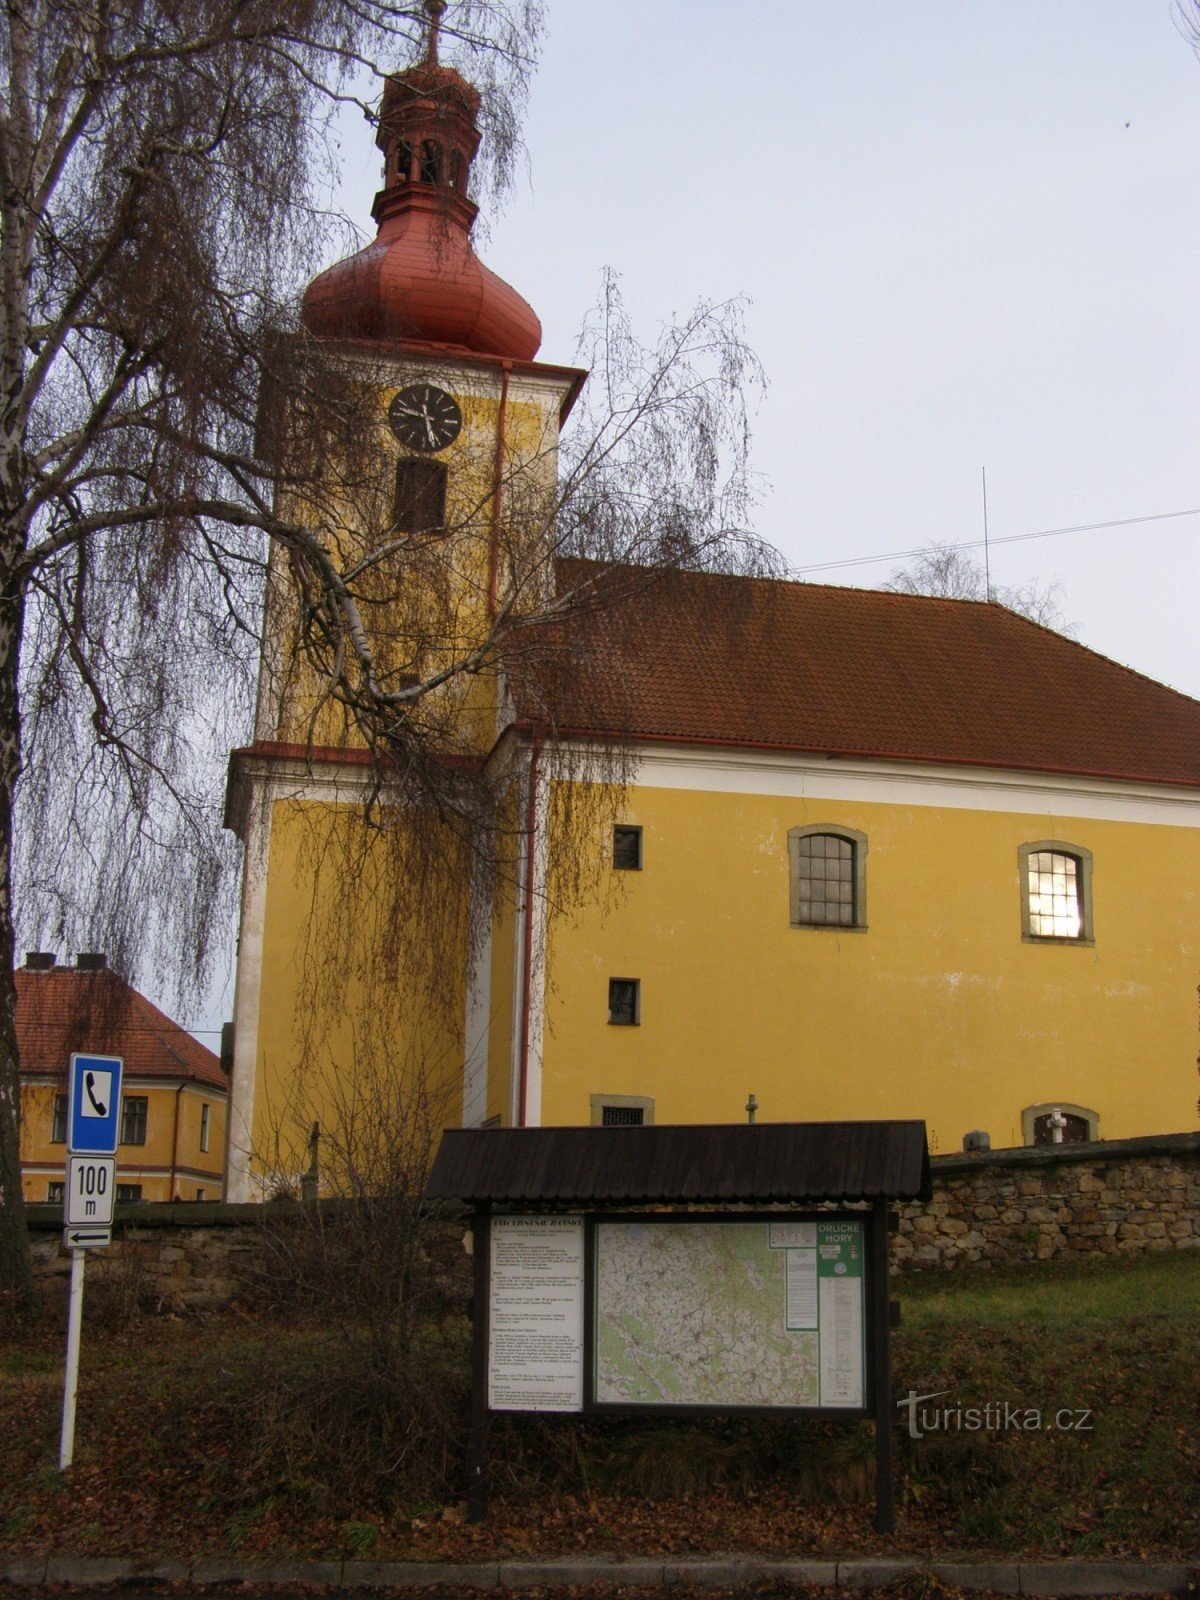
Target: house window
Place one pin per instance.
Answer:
(133, 1119)
(1077, 1124)
(58, 1120)
(622, 1110)
(199, 1194)
(1056, 891)
(55, 1193)
(625, 1002)
(420, 505)
(627, 849)
(828, 877)
(128, 1192)
(204, 1127)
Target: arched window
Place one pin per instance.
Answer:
(1056, 891)
(1076, 1124)
(403, 162)
(828, 877)
(431, 162)
(420, 505)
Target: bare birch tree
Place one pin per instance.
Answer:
(160, 167)
(948, 573)
(160, 173)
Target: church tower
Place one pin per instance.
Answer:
(437, 497)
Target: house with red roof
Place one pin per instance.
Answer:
(174, 1092)
(859, 855)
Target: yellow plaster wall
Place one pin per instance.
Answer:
(150, 1164)
(332, 1023)
(938, 1010)
(436, 593)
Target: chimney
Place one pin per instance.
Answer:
(39, 960)
(91, 961)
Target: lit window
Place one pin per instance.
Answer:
(204, 1127)
(1055, 891)
(58, 1120)
(828, 877)
(627, 849)
(624, 1001)
(133, 1119)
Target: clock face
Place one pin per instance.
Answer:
(424, 417)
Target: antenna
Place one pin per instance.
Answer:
(987, 565)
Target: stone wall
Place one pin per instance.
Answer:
(1061, 1202)
(1050, 1203)
(173, 1256)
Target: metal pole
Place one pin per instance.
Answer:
(66, 1448)
(885, 1490)
(477, 1447)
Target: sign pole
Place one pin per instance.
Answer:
(66, 1448)
(881, 1360)
(93, 1115)
(477, 1450)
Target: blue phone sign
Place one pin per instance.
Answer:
(94, 1105)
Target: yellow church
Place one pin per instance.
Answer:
(839, 854)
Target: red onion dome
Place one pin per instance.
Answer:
(421, 279)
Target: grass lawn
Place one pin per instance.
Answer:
(235, 1433)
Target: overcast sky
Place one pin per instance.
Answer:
(969, 235)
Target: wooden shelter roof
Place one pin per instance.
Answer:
(763, 1163)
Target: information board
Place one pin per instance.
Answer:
(535, 1314)
(730, 1313)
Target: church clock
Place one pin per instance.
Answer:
(425, 418)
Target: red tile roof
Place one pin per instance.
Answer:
(65, 1010)
(771, 663)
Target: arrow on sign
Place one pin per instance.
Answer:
(78, 1238)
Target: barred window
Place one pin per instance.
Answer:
(622, 1110)
(828, 877)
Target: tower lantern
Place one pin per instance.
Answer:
(421, 281)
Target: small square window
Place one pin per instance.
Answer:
(627, 849)
(55, 1193)
(624, 1002)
